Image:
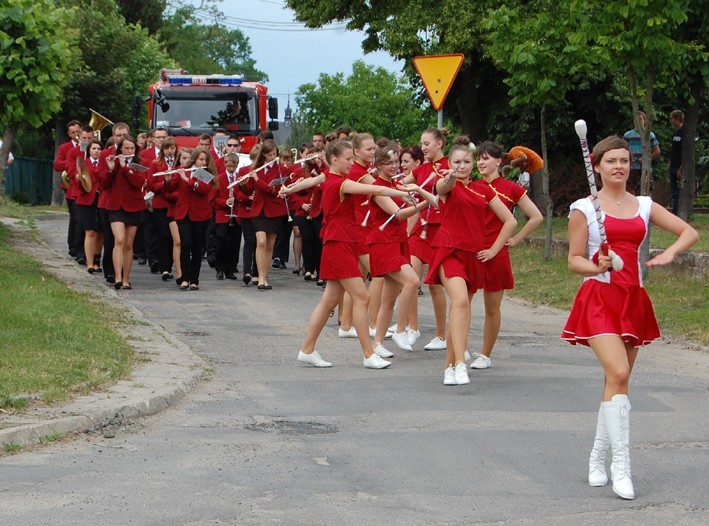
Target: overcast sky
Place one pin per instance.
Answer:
(289, 53)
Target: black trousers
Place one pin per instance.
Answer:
(75, 234)
(158, 240)
(193, 236)
(228, 240)
(281, 249)
(249, 252)
(212, 242)
(108, 242)
(312, 243)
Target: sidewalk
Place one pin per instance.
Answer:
(165, 369)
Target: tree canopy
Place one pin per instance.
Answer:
(369, 99)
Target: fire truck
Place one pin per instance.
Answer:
(190, 105)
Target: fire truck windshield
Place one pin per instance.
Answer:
(197, 112)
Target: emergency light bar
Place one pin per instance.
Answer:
(211, 80)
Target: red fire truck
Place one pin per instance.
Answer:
(190, 105)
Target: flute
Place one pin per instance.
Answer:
(239, 181)
(170, 172)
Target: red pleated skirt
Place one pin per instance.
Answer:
(611, 309)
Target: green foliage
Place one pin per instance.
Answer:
(208, 48)
(37, 60)
(119, 60)
(369, 99)
(147, 13)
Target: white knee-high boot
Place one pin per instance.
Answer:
(597, 461)
(617, 417)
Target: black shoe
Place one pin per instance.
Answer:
(167, 276)
(229, 275)
(142, 261)
(282, 265)
(117, 285)
(320, 283)
(154, 267)
(276, 263)
(111, 278)
(308, 276)
(81, 261)
(246, 279)
(220, 275)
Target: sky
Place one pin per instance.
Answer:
(292, 58)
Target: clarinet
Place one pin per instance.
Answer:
(232, 217)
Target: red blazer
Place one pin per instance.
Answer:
(221, 195)
(158, 185)
(127, 190)
(73, 190)
(266, 198)
(244, 194)
(194, 199)
(147, 156)
(103, 177)
(89, 198)
(60, 161)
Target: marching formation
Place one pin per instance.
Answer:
(370, 221)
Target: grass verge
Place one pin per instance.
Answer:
(54, 342)
(680, 303)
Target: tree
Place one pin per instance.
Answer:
(36, 62)
(369, 99)
(147, 13)
(530, 42)
(406, 29)
(208, 48)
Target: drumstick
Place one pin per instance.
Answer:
(581, 130)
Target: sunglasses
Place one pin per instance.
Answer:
(232, 144)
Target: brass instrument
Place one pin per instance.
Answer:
(65, 178)
(98, 122)
(83, 174)
(294, 151)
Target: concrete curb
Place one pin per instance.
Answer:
(166, 370)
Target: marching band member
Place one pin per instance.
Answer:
(612, 313)
(87, 212)
(125, 204)
(171, 194)
(268, 211)
(73, 128)
(389, 256)
(119, 130)
(340, 262)
(498, 270)
(420, 238)
(228, 230)
(460, 250)
(86, 135)
(244, 195)
(281, 250)
(308, 216)
(192, 213)
(160, 239)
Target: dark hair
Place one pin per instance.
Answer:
(87, 128)
(169, 141)
(205, 136)
(415, 153)
(488, 149)
(612, 142)
(343, 129)
(129, 138)
(677, 114)
(336, 149)
(71, 123)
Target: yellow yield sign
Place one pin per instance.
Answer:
(437, 73)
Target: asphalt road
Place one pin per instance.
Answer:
(269, 441)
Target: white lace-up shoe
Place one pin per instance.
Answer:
(461, 374)
(436, 344)
(376, 362)
(413, 335)
(481, 362)
(313, 359)
(402, 341)
(351, 333)
(467, 356)
(382, 351)
(449, 376)
(373, 333)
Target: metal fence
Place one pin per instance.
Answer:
(29, 181)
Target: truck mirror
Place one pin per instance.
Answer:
(272, 108)
(273, 125)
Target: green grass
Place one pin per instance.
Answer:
(658, 238)
(54, 342)
(680, 303)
